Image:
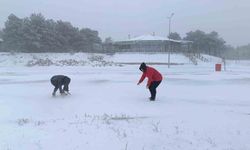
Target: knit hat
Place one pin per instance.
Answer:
(143, 67)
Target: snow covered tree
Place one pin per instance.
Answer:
(209, 43)
(13, 32)
(90, 38)
(243, 51)
(108, 40)
(174, 36)
(37, 34)
(1, 33)
(1, 36)
(34, 34)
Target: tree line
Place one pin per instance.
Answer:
(38, 34)
(206, 43)
(212, 44)
(238, 53)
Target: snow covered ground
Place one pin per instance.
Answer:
(196, 108)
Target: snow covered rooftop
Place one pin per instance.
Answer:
(148, 38)
(153, 38)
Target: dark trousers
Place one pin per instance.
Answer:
(152, 88)
(56, 85)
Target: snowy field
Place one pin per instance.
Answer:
(195, 109)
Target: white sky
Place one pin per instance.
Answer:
(118, 18)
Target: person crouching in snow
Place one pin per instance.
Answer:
(154, 79)
(58, 81)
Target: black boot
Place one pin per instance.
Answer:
(151, 99)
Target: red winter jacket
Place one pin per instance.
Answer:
(152, 75)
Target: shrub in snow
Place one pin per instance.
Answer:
(70, 62)
(48, 62)
(39, 123)
(97, 58)
(98, 61)
(39, 62)
(22, 121)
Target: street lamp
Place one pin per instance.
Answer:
(169, 18)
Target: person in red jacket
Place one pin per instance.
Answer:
(154, 79)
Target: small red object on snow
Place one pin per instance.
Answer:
(217, 67)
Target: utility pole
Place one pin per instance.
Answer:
(169, 32)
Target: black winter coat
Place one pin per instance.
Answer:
(60, 80)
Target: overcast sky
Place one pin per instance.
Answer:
(118, 18)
